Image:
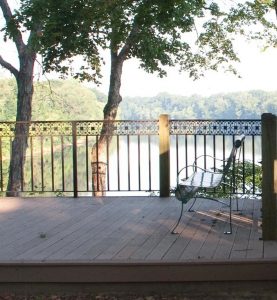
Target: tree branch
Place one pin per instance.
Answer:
(8, 66)
(8, 17)
(129, 42)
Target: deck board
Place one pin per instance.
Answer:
(128, 229)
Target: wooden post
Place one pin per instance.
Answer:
(269, 194)
(164, 155)
(275, 176)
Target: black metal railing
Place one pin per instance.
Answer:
(193, 138)
(58, 158)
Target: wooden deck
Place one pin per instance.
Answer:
(128, 229)
(114, 232)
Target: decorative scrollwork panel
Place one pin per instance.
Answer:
(93, 128)
(215, 127)
(117, 127)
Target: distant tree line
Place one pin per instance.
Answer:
(238, 105)
(70, 100)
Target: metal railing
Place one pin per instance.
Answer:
(58, 158)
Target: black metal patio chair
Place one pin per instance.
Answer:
(210, 179)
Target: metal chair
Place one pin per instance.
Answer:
(206, 179)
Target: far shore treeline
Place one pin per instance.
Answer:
(70, 100)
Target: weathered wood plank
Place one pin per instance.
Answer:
(62, 236)
(226, 242)
(99, 241)
(153, 240)
(93, 229)
(244, 223)
(270, 249)
(255, 243)
(128, 229)
(135, 236)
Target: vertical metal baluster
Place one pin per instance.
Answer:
(214, 150)
(42, 163)
(186, 153)
(205, 151)
(214, 153)
(224, 157)
(128, 154)
(149, 162)
(22, 169)
(32, 164)
(108, 163)
(139, 171)
(243, 168)
(52, 164)
(97, 165)
(253, 167)
(87, 164)
(233, 169)
(63, 178)
(1, 166)
(223, 148)
(195, 148)
(10, 150)
(74, 159)
(118, 165)
(177, 153)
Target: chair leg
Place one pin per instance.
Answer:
(190, 209)
(181, 214)
(230, 216)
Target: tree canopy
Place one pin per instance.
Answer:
(194, 34)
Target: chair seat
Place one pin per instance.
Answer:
(203, 179)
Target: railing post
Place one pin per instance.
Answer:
(74, 153)
(269, 194)
(164, 143)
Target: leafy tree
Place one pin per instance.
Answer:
(197, 35)
(24, 79)
(66, 100)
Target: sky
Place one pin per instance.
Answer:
(257, 70)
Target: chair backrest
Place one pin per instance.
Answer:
(237, 144)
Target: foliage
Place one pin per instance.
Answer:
(239, 105)
(197, 35)
(54, 100)
(68, 100)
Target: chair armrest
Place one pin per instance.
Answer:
(186, 167)
(207, 155)
(208, 171)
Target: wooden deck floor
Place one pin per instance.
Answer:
(128, 229)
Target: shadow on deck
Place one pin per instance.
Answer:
(116, 240)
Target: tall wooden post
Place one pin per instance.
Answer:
(269, 191)
(164, 155)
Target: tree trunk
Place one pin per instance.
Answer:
(24, 113)
(99, 150)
